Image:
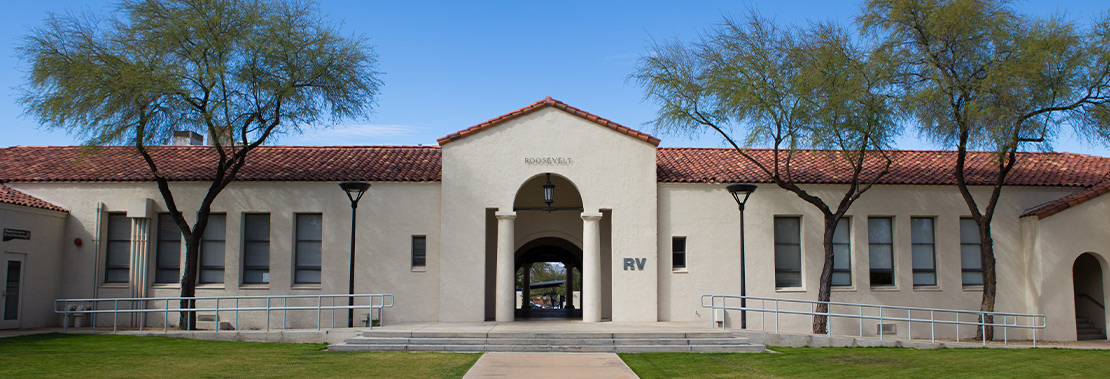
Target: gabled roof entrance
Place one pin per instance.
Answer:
(548, 102)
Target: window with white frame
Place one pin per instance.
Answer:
(419, 251)
(880, 246)
(788, 252)
(678, 253)
(167, 267)
(212, 250)
(971, 263)
(307, 256)
(256, 248)
(924, 251)
(117, 260)
(842, 253)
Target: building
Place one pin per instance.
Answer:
(650, 229)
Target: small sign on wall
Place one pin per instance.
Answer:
(634, 264)
(16, 234)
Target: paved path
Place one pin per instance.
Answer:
(549, 365)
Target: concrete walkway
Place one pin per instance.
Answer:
(549, 365)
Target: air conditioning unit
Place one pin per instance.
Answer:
(886, 329)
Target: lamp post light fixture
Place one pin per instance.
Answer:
(740, 193)
(548, 193)
(354, 191)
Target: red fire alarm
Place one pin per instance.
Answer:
(77, 241)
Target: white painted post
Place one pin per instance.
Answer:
(506, 284)
(591, 266)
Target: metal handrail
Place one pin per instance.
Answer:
(909, 319)
(172, 305)
(1092, 299)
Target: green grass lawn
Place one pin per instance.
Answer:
(68, 355)
(875, 362)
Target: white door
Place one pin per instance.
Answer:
(12, 270)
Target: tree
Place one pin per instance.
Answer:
(789, 89)
(981, 76)
(239, 71)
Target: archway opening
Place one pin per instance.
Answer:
(548, 277)
(1090, 299)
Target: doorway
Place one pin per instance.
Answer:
(12, 270)
(1090, 299)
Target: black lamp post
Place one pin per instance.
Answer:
(740, 192)
(548, 193)
(354, 191)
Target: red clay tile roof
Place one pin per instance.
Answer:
(1069, 201)
(9, 195)
(704, 165)
(548, 102)
(423, 163)
(193, 163)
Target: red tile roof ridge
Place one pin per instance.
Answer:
(548, 102)
(9, 195)
(892, 151)
(1059, 205)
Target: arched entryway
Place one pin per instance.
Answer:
(547, 224)
(1090, 298)
(547, 269)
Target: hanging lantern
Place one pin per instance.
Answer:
(548, 192)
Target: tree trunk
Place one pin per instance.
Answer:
(820, 322)
(188, 319)
(986, 252)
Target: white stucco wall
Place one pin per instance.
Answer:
(389, 215)
(610, 170)
(1059, 240)
(42, 260)
(708, 217)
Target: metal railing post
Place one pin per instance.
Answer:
(932, 328)
(166, 318)
(217, 315)
(267, 313)
(319, 299)
(284, 311)
(880, 323)
(983, 326)
(115, 317)
(65, 314)
(776, 316)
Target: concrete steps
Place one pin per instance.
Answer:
(600, 342)
(1085, 330)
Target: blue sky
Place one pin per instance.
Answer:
(452, 64)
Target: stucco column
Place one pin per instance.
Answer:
(591, 266)
(526, 291)
(506, 283)
(570, 287)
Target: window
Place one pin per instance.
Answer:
(924, 259)
(678, 252)
(419, 251)
(117, 262)
(307, 255)
(212, 250)
(167, 267)
(842, 253)
(970, 257)
(788, 252)
(880, 248)
(256, 248)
